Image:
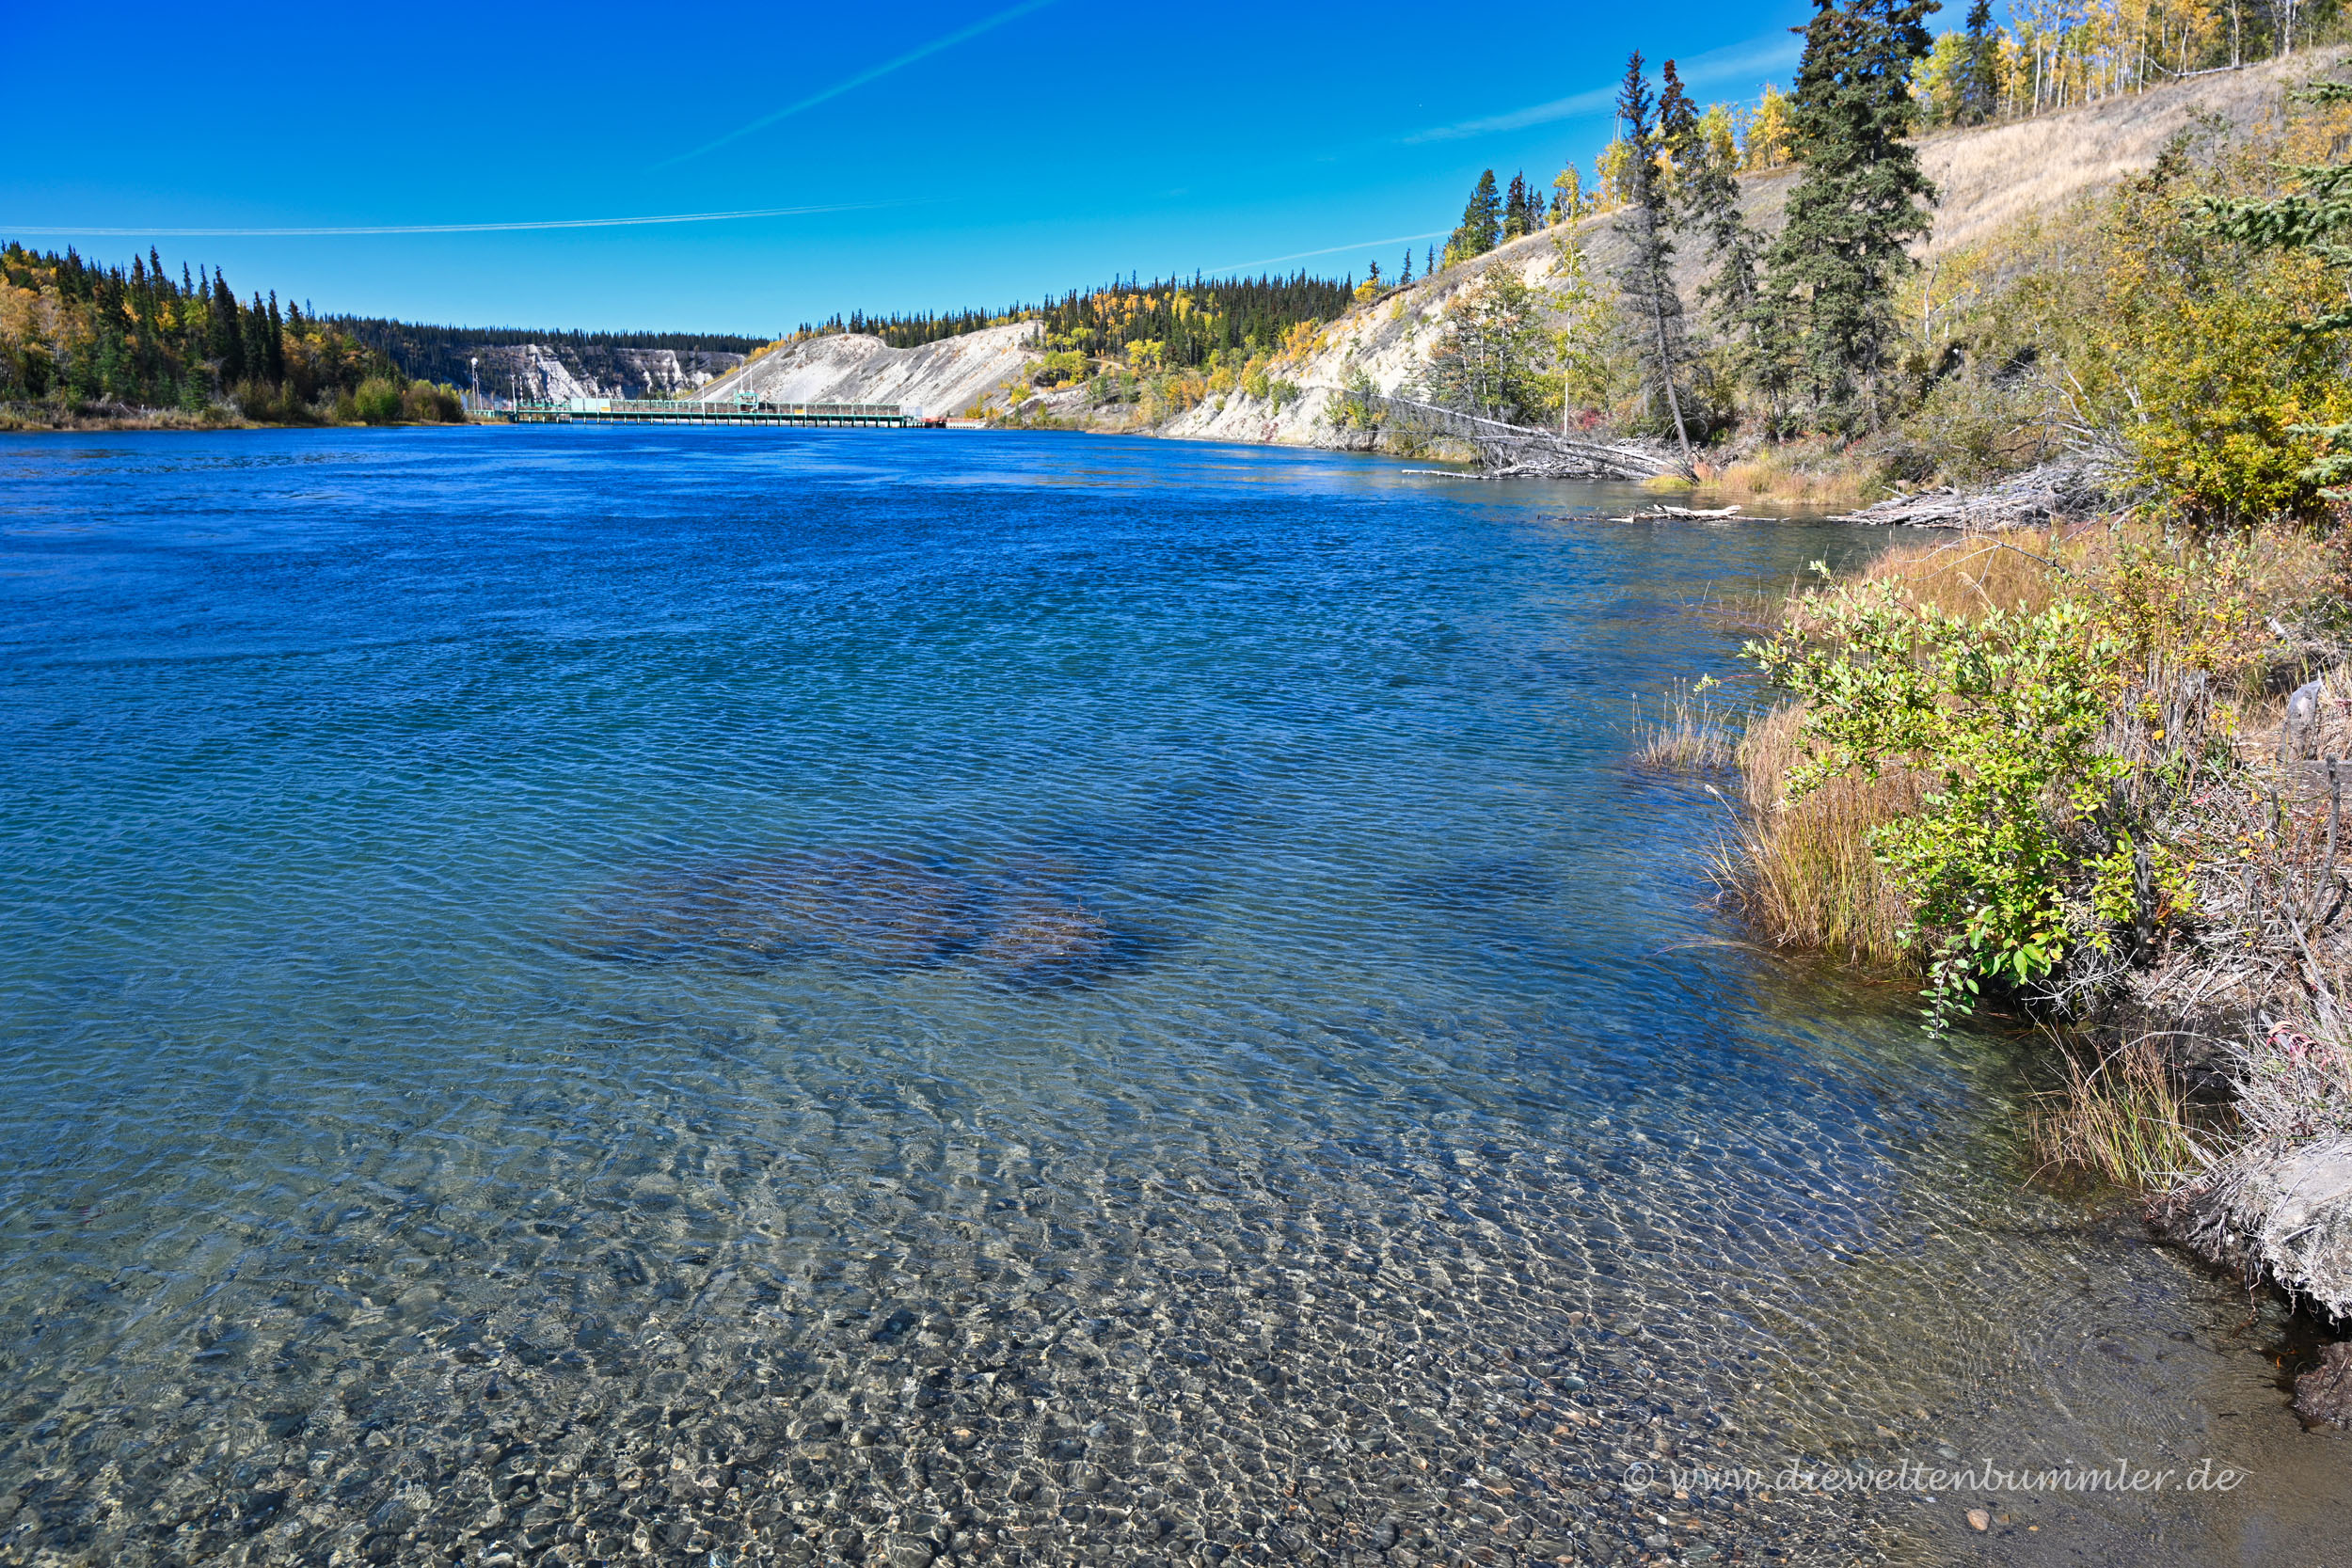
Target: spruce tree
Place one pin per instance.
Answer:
(1481, 227)
(274, 346)
(228, 333)
(1827, 310)
(1981, 68)
(1646, 278)
(1706, 208)
(1678, 119)
(256, 325)
(1406, 276)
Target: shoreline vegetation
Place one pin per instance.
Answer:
(87, 347)
(2091, 772)
(2082, 761)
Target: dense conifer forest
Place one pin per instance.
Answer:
(441, 353)
(82, 335)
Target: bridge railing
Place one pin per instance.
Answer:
(717, 409)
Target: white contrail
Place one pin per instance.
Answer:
(1766, 51)
(439, 228)
(960, 36)
(1327, 251)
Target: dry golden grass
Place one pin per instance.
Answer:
(1688, 735)
(1989, 177)
(1803, 869)
(2126, 1116)
(1797, 474)
(1973, 575)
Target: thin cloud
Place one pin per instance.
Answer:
(1327, 251)
(963, 35)
(444, 228)
(1766, 53)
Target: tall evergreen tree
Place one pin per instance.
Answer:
(228, 333)
(1980, 67)
(1827, 311)
(1646, 277)
(256, 323)
(1481, 227)
(1406, 276)
(274, 348)
(1706, 202)
(1678, 119)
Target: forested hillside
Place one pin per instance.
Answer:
(1178, 322)
(80, 335)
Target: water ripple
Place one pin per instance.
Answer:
(795, 998)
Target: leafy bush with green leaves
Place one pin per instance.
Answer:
(1356, 405)
(376, 401)
(2002, 713)
(1061, 367)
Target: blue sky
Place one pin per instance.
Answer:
(901, 156)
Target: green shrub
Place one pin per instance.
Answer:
(1062, 368)
(376, 401)
(2001, 716)
(425, 403)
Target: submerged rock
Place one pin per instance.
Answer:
(876, 909)
(860, 908)
(2325, 1392)
(1040, 941)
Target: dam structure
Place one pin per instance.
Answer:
(725, 411)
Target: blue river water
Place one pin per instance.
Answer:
(741, 997)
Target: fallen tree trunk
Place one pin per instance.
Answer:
(2070, 486)
(1522, 451)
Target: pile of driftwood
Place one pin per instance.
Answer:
(1661, 513)
(2071, 486)
(1522, 451)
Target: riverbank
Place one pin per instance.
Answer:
(20, 418)
(373, 404)
(2084, 769)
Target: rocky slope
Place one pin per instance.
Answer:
(562, 370)
(562, 365)
(950, 376)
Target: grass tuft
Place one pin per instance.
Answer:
(1802, 870)
(2125, 1116)
(1691, 734)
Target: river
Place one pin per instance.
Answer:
(733, 996)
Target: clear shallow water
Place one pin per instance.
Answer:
(732, 997)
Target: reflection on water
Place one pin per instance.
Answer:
(760, 997)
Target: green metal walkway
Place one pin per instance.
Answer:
(733, 411)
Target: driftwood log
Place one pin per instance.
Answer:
(1656, 513)
(1522, 451)
(2070, 486)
